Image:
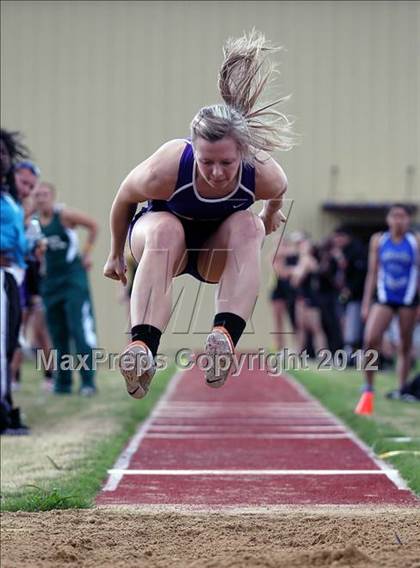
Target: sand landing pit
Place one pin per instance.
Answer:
(179, 537)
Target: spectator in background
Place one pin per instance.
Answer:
(329, 289)
(65, 287)
(351, 257)
(283, 294)
(26, 176)
(305, 280)
(393, 272)
(13, 247)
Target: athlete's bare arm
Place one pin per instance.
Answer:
(155, 178)
(72, 218)
(270, 186)
(372, 274)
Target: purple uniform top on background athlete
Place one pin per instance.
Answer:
(201, 216)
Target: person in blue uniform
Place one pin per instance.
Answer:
(197, 220)
(391, 288)
(13, 248)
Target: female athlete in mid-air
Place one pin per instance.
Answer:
(197, 220)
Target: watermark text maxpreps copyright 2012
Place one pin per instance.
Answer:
(273, 363)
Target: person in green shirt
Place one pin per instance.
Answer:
(65, 288)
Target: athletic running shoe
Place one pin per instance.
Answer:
(138, 367)
(220, 350)
(403, 396)
(87, 391)
(48, 384)
(16, 426)
(409, 398)
(20, 431)
(394, 394)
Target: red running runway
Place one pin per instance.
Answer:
(257, 441)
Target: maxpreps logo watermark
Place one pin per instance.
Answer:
(273, 363)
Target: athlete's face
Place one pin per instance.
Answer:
(218, 162)
(25, 182)
(43, 197)
(398, 220)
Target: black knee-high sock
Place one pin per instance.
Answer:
(233, 324)
(149, 334)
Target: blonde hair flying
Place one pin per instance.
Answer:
(245, 73)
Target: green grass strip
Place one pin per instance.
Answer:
(339, 391)
(49, 473)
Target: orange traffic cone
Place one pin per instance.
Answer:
(365, 404)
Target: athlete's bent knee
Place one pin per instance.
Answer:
(167, 234)
(246, 227)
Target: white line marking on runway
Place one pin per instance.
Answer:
(231, 416)
(217, 428)
(124, 460)
(236, 420)
(247, 472)
(392, 474)
(244, 404)
(206, 435)
(257, 428)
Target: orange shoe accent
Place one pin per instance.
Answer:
(365, 405)
(225, 332)
(137, 342)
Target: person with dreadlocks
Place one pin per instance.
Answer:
(197, 220)
(13, 248)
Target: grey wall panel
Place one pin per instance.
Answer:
(97, 86)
